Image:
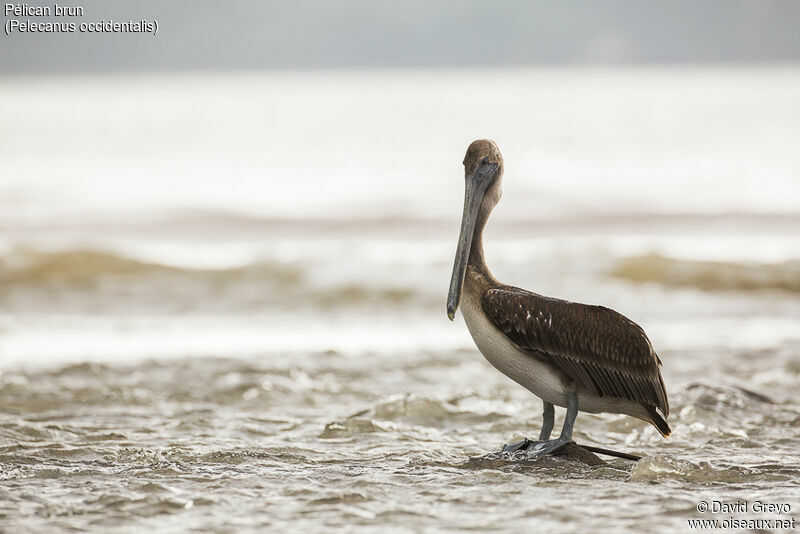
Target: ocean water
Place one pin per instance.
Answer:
(222, 296)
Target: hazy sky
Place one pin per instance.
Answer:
(204, 34)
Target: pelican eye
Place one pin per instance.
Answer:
(485, 161)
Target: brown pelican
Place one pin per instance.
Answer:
(572, 355)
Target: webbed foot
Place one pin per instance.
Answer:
(517, 446)
(537, 448)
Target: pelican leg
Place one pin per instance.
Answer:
(548, 414)
(569, 420)
(545, 445)
(548, 446)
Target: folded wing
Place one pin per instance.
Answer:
(604, 351)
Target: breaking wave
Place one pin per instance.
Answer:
(709, 275)
(101, 276)
(83, 268)
(665, 467)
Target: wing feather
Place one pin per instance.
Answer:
(606, 352)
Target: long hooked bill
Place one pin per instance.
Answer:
(475, 189)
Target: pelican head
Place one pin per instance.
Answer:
(483, 173)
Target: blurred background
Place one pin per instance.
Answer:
(274, 189)
(256, 162)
